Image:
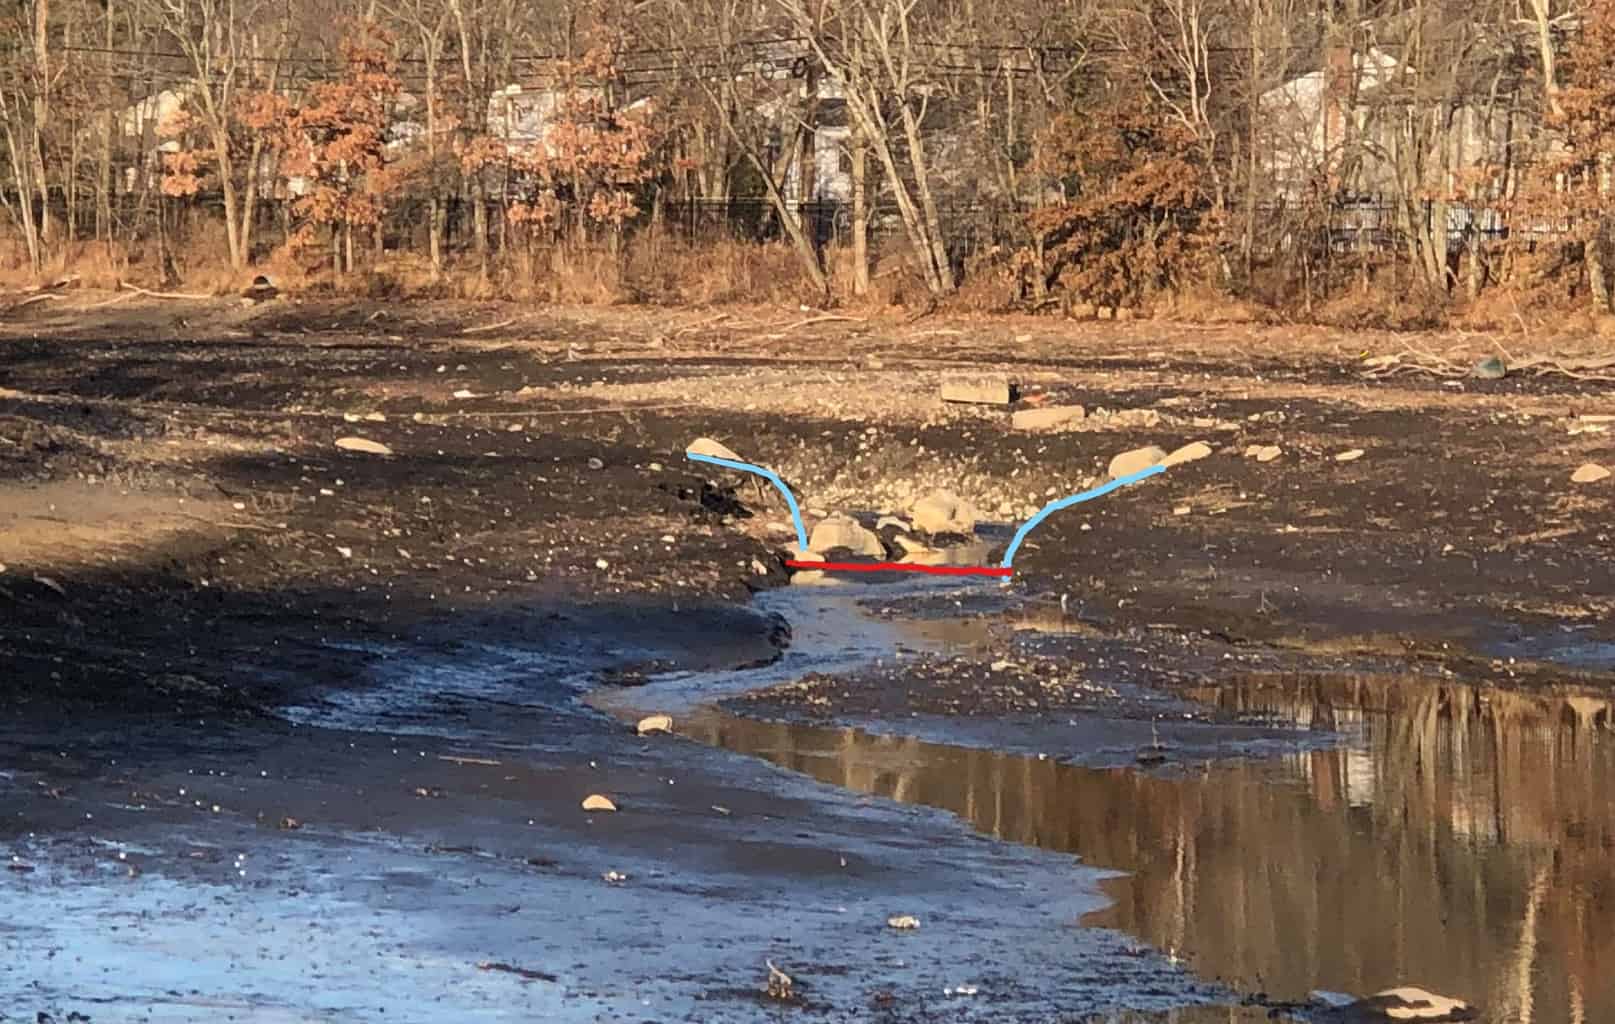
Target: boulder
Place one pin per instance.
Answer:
(1591, 473)
(845, 532)
(1128, 463)
(1192, 452)
(944, 512)
(978, 390)
(707, 446)
(1046, 418)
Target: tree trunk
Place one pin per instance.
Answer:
(1597, 272)
(103, 177)
(860, 217)
(41, 114)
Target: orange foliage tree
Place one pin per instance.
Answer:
(1136, 213)
(1573, 188)
(336, 142)
(581, 171)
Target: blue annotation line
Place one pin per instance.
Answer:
(1014, 544)
(1075, 499)
(771, 477)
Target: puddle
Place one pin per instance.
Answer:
(1571, 647)
(1461, 839)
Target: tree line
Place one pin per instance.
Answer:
(1058, 152)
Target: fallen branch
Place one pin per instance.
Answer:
(41, 297)
(521, 972)
(120, 297)
(494, 327)
(162, 295)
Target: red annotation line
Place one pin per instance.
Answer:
(935, 570)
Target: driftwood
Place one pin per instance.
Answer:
(1414, 361)
(187, 296)
(494, 327)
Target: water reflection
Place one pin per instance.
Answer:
(1463, 841)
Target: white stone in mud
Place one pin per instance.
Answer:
(988, 389)
(903, 922)
(654, 724)
(1192, 452)
(712, 449)
(845, 532)
(944, 512)
(1046, 418)
(596, 802)
(361, 444)
(1591, 473)
(1128, 463)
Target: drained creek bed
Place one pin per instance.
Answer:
(415, 848)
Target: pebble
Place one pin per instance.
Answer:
(596, 802)
(1181, 510)
(903, 922)
(1350, 456)
(596, 464)
(601, 563)
(1591, 473)
(361, 444)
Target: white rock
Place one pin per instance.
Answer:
(1046, 418)
(345, 552)
(596, 802)
(1128, 463)
(1350, 456)
(1591, 473)
(655, 723)
(465, 393)
(1192, 452)
(844, 532)
(944, 512)
(708, 447)
(1181, 510)
(979, 390)
(361, 444)
(885, 521)
(903, 922)
(601, 563)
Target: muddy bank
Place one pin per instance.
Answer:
(270, 870)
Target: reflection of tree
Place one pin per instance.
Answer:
(1474, 857)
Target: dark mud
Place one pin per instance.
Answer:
(375, 668)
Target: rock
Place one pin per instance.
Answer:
(596, 464)
(1405, 1004)
(1181, 510)
(654, 724)
(708, 447)
(1046, 418)
(360, 444)
(1491, 368)
(978, 390)
(1142, 419)
(903, 922)
(1128, 463)
(1350, 456)
(845, 532)
(1193, 452)
(465, 393)
(261, 290)
(944, 512)
(601, 563)
(1263, 453)
(1591, 473)
(910, 546)
(596, 802)
(901, 524)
